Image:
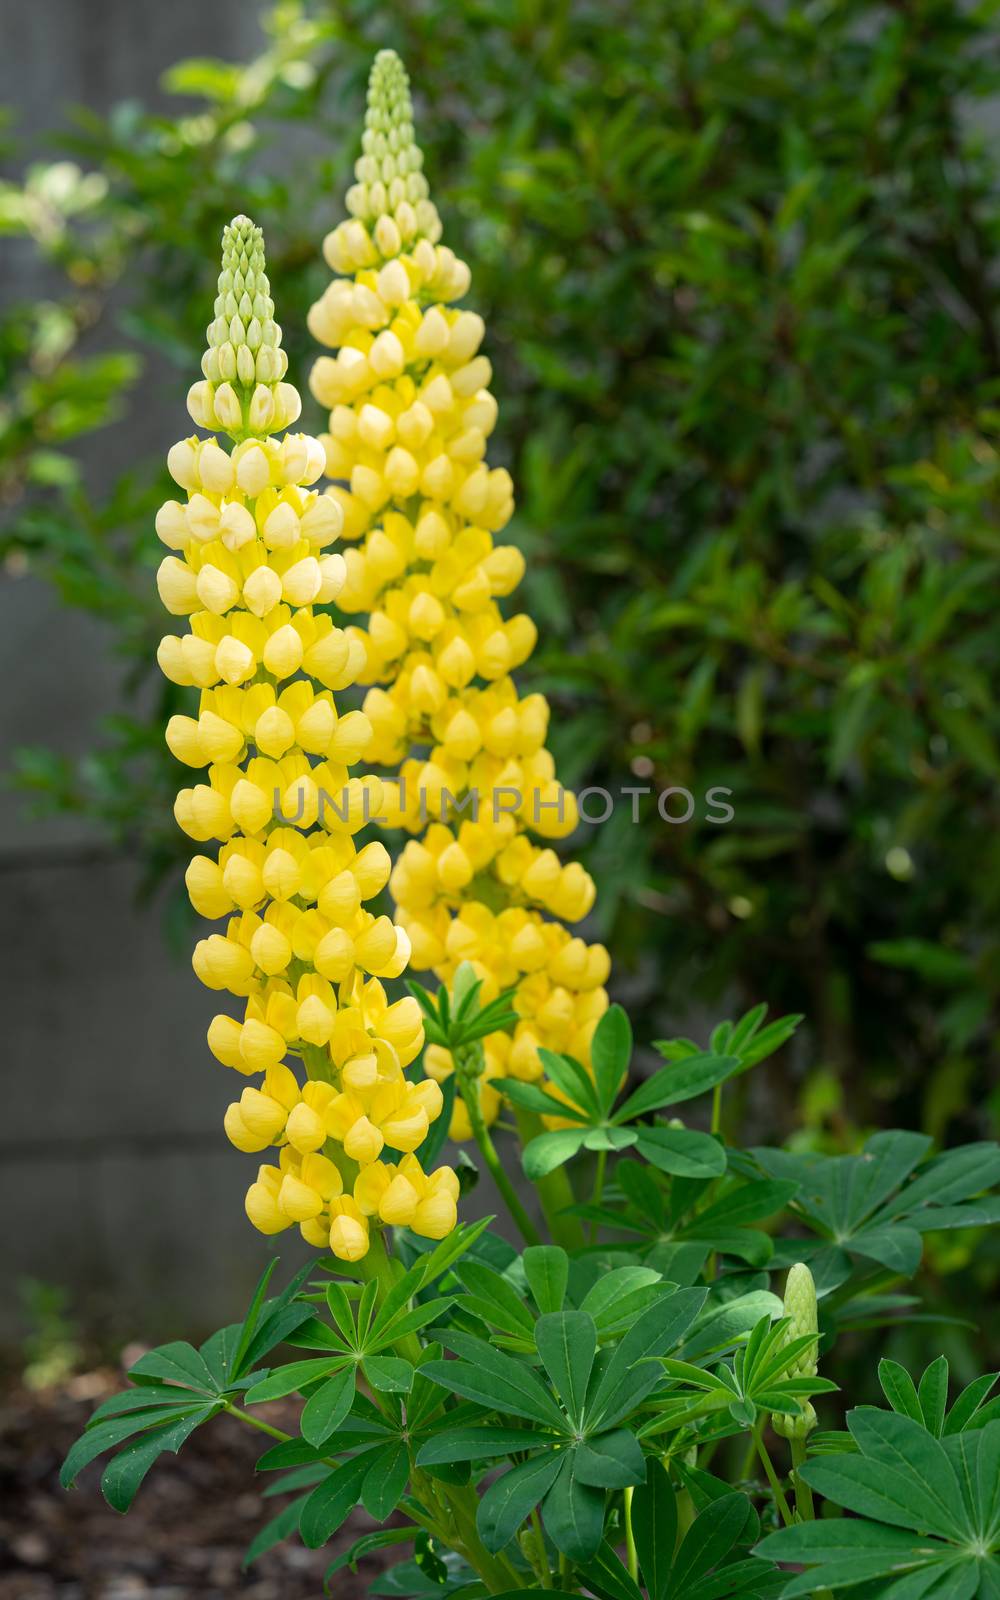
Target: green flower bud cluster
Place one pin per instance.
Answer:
(243, 393)
(800, 1308)
(391, 195)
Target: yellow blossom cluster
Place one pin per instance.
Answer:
(249, 563)
(410, 415)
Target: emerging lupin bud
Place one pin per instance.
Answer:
(800, 1308)
(244, 364)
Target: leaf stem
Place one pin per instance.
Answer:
(488, 1150)
(803, 1494)
(630, 1550)
(596, 1197)
(772, 1477)
(555, 1192)
(716, 1126)
(541, 1564)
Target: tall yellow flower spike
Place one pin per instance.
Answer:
(250, 561)
(410, 414)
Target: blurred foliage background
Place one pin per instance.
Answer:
(738, 267)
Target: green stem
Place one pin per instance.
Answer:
(717, 1109)
(803, 1494)
(258, 1423)
(554, 1191)
(630, 1551)
(541, 1564)
(595, 1199)
(772, 1477)
(488, 1151)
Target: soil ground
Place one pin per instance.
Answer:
(183, 1539)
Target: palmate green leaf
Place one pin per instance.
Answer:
(933, 1396)
(573, 1511)
(513, 1497)
(897, 1446)
(967, 1407)
(899, 1389)
(843, 1551)
(617, 1298)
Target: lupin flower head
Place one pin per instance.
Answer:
(300, 949)
(410, 417)
(800, 1308)
(243, 393)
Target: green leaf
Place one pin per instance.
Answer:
(969, 1402)
(709, 1540)
(176, 1363)
(573, 1079)
(899, 1389)
(651, 1335)
(845, 1551)
(388, 1374)
(546, 1268)
(573, 1512)
(493, 1379)
(682, 1080)
(610, 1055)
(609, 1577)
(682, 1152)
(326, 1409)
(933, 1395)
(379, 1540)
(654, 1527)
(477, 1444)
(513, 1497)
(611, 1460)
(567, 1344)
(330, 1503)
(294, 1375)
(124, 1473)
(386, 1479)
(104, 1435)
(550, 1150)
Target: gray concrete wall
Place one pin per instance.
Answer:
(115, 1177)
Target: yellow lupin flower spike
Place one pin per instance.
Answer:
(249, 563)
(410, 415)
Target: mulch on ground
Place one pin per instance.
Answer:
(186, 1534)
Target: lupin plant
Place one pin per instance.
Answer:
(410, 416)
(626, 1408)
(300, 947)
